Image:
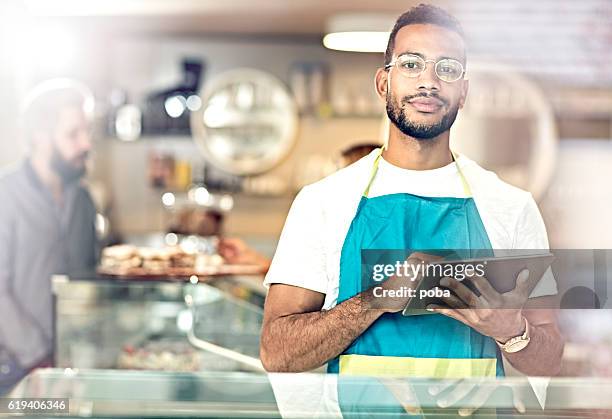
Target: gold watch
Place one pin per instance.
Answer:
(516, 343)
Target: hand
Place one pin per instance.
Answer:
(392, 295)
(236, 251)
(492, 314)
(470, 395)
(404, 393)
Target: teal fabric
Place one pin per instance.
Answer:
(413, 223)
(410, 223)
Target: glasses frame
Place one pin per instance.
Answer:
(394, 62)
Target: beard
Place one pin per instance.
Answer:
(419, 131)
(66, 170)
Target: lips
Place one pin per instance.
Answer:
(426, 104)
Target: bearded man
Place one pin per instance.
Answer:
(413, 194)
(47, 222)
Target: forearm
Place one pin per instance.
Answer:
(301, 342)
(542, 356)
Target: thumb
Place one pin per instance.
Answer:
(518, 401)
(522, 280)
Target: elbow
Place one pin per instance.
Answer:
(267, 360)
(270, 358)
(271, 361)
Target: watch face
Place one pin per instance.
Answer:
(247, 123)
(516, 346)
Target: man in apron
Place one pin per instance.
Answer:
(413, 194)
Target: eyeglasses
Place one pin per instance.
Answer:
(410, 65)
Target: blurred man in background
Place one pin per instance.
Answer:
(47, 222)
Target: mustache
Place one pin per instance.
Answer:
(407, 99)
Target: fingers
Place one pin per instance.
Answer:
(458, 392)
(463, 292)
(472, 402)
(484, 287)
(461, 390)
(233, 243)
(450, 312)
(522, 283)
(518, 401)
(449, 383)
(453, 302)
(404, 394)
(477, 400)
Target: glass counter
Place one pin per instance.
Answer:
(153, 325)
(100, 393)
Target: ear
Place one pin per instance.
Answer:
(381, 82)
(465, 84)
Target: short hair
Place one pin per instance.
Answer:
(423, 13)
(42, 105)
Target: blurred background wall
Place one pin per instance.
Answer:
(539, 111)
(130, 49)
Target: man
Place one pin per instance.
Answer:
(47, 222)
(414, 195)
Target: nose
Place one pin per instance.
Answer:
(428, 79)
(85, 142)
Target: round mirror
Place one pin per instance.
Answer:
(247, 123)
(507, 126)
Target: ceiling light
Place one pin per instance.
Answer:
(358, 32)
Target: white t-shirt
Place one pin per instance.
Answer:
(308, 252)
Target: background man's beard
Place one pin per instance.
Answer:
(64, 169)
(418, 131)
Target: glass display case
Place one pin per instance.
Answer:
(232, 394)
(153, 325)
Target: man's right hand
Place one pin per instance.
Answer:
(398, 284)
(297, 335)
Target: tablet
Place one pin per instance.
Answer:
(501, 272)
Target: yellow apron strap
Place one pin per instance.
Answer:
(374, 170)
(466, 187)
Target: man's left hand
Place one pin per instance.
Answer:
(492, 314)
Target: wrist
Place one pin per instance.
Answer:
(518, 329)
(371, 303)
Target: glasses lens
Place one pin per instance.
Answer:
(410, 65)
(449, 70)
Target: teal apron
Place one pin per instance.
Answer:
(430, 345)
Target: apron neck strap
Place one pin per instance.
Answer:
(373, 172)
(466, 187)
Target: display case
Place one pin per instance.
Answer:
(153, 325)
(150, 394)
